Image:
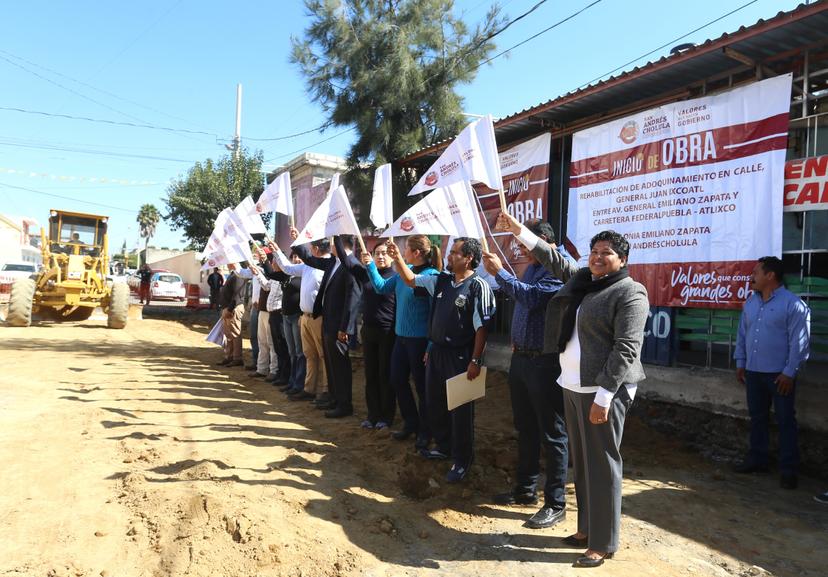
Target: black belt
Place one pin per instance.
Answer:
(527, 352)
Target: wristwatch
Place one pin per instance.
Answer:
(477, 362)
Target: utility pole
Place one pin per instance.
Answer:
(237, 137)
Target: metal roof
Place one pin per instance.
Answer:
(787, 33)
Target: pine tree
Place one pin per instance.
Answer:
(389, 68)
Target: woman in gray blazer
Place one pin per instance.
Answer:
(596, 324)
(600, 333)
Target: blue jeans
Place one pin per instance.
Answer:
(253, 329)
(538, 412)
(761, 393)
(293, 338)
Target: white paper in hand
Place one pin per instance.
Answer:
(460, 390)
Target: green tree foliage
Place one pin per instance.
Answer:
(194, 201)
(148, 217)
(389, 68)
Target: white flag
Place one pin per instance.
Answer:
(472, 156)
(249, 217)
(228, 253)
(382, 213)
(229, 225)
(334, 183)
(334, 216)
(447, 211)
(277, 197)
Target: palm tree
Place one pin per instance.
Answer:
(148, 218)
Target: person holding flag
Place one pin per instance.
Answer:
(315, 384)
(337, 302)
(231, 302)
(462, 308)
(377, 335)
(413, 310)
(537, 401)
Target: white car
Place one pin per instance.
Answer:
(11, 271)
(167, 285)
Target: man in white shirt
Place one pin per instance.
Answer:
(316, 383)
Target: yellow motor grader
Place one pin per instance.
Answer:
(72, 282)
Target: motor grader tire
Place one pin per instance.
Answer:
(118, 306)
(20, 303)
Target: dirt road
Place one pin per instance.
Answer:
(128, 453)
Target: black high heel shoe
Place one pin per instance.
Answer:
(589, 562)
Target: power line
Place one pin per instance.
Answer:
(544, 31)
(106, 121)
(318, 128)
(311, 145)
(66, 88)
(671, 42)
(67, 198)
(94, 152)
(90, 86)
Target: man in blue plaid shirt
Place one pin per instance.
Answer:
(537, 400)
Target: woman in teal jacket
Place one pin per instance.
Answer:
(411, 327)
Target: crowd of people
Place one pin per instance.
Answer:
(576, 339)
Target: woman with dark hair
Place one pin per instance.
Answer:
(599, 338)
(377, 335)
(596, 323)
(413, 307)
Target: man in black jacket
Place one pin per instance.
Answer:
(337, 302)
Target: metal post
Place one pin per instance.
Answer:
(237, 137)
(805, 91)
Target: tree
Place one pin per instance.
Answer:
(194, 201)
(389, 68)
(148, 217)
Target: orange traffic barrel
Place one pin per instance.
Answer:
(193, 296)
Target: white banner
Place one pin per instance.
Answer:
(695, 186)
(334, 216)
(277, 197)
(472, 157)
(382, 210)
(447, 211)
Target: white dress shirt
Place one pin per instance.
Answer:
(311, 279)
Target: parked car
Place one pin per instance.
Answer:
(167, 285)
(133, 279)
(11, 271)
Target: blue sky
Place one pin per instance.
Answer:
(175, 64)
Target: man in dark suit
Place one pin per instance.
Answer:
(337, 303)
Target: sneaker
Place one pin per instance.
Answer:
(271, 378)
(235, 364)
(224, 363)
(434, 454)
(822, 498)
(250, 367)
(456, 473)
(381, 425)
(366, 424)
